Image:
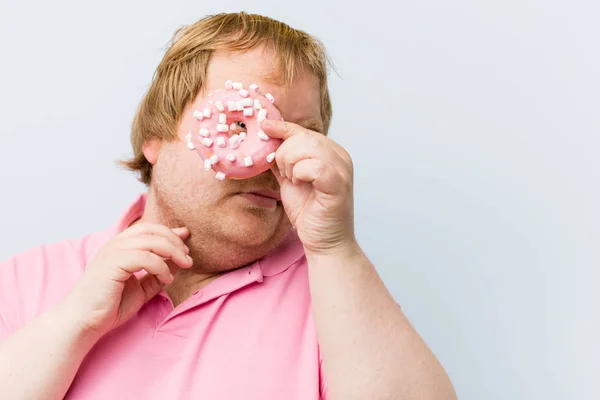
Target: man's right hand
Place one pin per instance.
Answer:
(108, 293)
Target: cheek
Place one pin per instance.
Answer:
(182, 160)
(180, 174)
(178, 167)
(194, 180)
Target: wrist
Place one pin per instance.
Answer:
(67, 318)
(346, 250)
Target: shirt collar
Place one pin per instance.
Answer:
(283, 257)
(134, 211)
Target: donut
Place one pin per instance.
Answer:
(224, 129)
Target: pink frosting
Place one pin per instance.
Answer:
(250, 146)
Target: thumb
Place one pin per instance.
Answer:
(151, 286)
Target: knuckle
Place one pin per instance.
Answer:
(279, 158)
(150, 259)
(346, 180)
(287, 126)
(305, 134)
(346, 156)
(164, 241)
(320, 168)
(314, 142)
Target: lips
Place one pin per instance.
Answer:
(262, 198)
(266, 193)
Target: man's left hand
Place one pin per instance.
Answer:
(316, 179)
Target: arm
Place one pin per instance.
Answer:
(370, 351)
(40, 360)
(369, 348)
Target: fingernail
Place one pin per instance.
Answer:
(266, 122)
(171, 278)
(190, 260)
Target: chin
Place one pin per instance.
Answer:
(251, 226)
(235, 236)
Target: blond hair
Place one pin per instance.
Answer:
(182, 72)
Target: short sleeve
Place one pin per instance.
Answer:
(4, 294)
(34, 280)
(3, 330)
(323, 390)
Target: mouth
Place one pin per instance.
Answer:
(262, 198)
(271, 194)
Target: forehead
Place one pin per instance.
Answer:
(299, 102)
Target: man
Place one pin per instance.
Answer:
(204, 290)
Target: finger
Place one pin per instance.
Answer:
(151, 286)
(285, 168)
(133, 261)
(289, 168)
(172, 267)
(285, 130)
(280, 129)
(160, 246)
(182, 232)
(345, 156)
(275, 170)
(323, 176)
(156, 229)
(303, 147)
(175, 235)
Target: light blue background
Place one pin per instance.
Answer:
(474, 130)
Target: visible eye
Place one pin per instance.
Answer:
(236, 128)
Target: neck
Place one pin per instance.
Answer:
(187, 281)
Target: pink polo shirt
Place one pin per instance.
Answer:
(248, 334)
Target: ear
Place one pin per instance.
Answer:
(151, 149)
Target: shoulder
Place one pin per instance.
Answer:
(36, 279)
(286, 258)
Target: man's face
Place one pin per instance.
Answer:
(229, 229)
